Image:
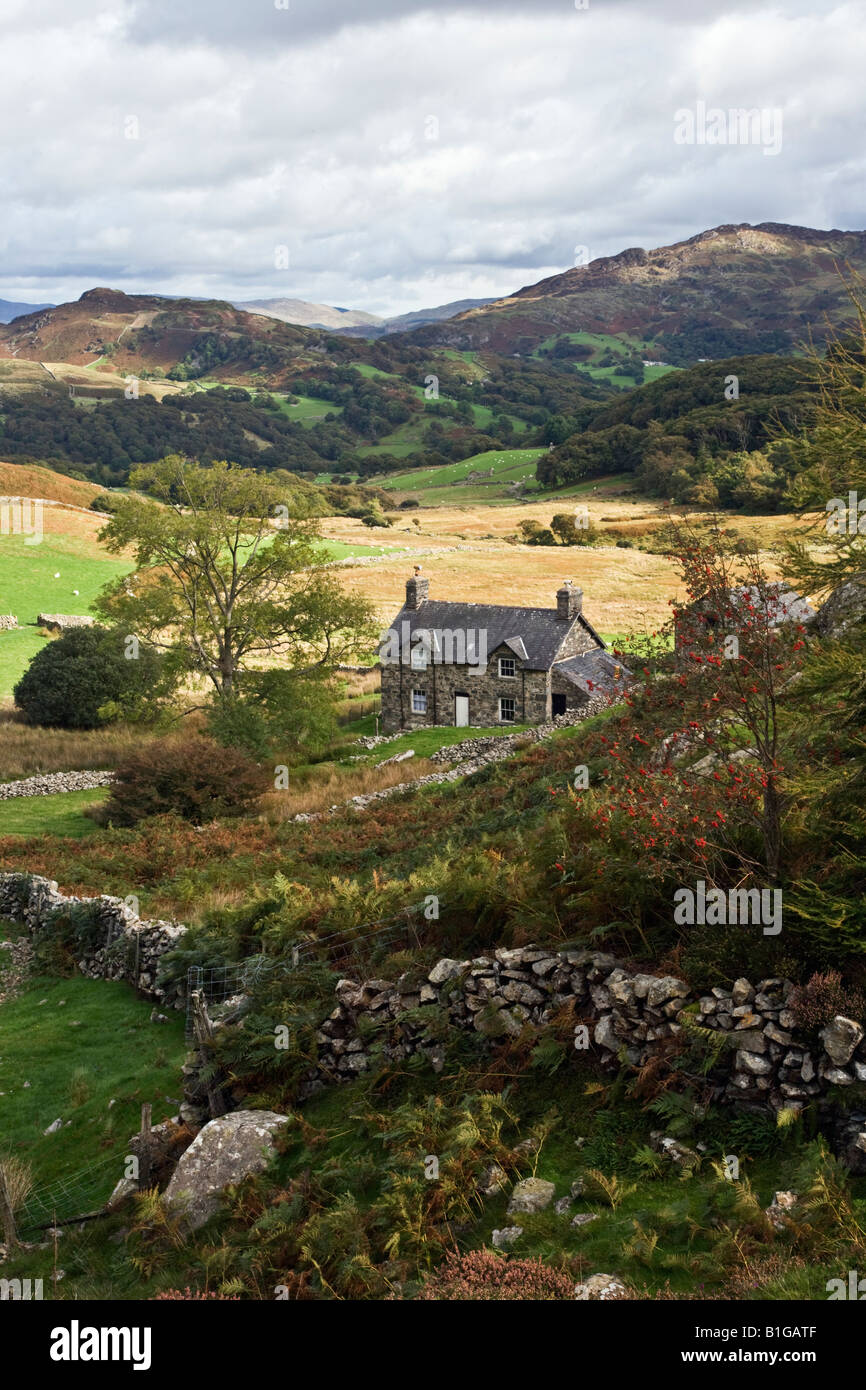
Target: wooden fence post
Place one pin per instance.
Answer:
(145, 1157)
(203, 1032)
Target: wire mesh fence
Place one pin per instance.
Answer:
(86, 1192)
(77, 1194)
(216, 984)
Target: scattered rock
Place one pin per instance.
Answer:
(493, 1180)
(601, 1286)
(782, 1205)
(501, 1240)
(531, 1195)
(840, 1038)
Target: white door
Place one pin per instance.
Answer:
(461, 711)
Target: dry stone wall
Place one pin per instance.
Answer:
(760, 1056)
(113, 941)
(50, 783)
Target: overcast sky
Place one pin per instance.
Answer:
(399, 155)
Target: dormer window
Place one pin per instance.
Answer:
(507, 667)
(419, 657)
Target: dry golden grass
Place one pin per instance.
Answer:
(25, 480)
(626, 590)
(367, 683)
(325, 791)
(27, 749)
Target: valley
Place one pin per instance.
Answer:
(256, 913)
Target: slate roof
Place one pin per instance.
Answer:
(540, 631)
(594, 671)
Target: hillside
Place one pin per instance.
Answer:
(688, 439)
(20, 480)
(141, 333)
(732, 289)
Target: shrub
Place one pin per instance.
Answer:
(482, 1275)
(822, 998)
(239, 724)
(104, 502)
(84, 679)
(191, 777)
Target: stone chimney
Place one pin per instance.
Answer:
(417, 589)
(569, 602)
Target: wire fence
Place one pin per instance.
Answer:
(84, 1193)
(78, 1194)
(216, 984)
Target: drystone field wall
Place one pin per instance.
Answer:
(760, 1058)
(50, 783)
(112, 941)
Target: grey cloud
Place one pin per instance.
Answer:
(248, 23)
(555, 130)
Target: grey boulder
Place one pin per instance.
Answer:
(225, 1152)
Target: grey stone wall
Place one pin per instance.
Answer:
(575, 698)
(760, 1057)
(530, 691)
(116, 944)
(61, 622)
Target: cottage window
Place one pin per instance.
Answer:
(419, 702)
(506, 711)
(419, 657)
(507, 666)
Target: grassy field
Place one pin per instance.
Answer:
(308, 410)
(347, 550)
(620, 345)
(71, 1046)
(28, 749)
(626, 589)
(507, 465)
(29, 586)
(50, 815)
(29, 480)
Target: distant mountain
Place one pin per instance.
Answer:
(148, 331)
(354, 322)
(9, 309)
(730, 290)
(307, 315)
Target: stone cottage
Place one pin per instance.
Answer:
(482, 664)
